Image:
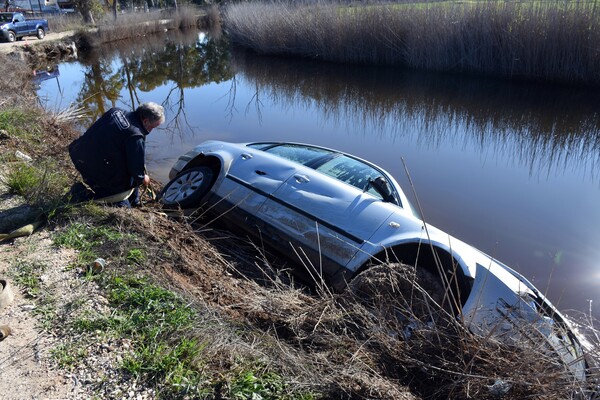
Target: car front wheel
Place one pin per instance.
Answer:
(11, 36)
(41, 33)
(188, 188)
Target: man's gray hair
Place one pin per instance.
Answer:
(151, 111)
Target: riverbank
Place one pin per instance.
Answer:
(535, 41)
(177, 313)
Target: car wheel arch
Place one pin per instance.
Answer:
(425, 255)
(201, 160)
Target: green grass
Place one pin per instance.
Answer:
(167, 352)
(67, 356)
(20, 123)
(256, 384)
(174, 348)
(27, 276)
(87, 239)
(136, 256)
(156, 320)
(23, 178)
(41, 183)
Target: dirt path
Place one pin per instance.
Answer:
(25, 365)
(6, 47)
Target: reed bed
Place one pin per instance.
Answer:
(140, 24)
(546, 41)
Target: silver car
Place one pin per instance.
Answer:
(340, 214)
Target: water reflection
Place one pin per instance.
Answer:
(545, 128)
(179, 60)
(43, 74)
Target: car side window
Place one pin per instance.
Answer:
(298, 153)
(351, 171)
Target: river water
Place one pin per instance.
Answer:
(510, 167)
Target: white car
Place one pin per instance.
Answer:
(341, 214)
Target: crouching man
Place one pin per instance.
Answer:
(110, 155)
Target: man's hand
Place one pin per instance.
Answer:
(146, 180)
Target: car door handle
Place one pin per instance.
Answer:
(259, 172)
(301, 178)
(246, 156)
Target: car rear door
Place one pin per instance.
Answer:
(325, 215)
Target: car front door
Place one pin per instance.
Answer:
(20, 25)
(253, 176)
(325, 214)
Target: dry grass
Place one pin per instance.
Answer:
(383, 338)
(63, 23)
(140, 24)
(547, 41)
(15, 80)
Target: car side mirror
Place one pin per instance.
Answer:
(381, 186)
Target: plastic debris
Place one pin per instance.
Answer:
(500, 388)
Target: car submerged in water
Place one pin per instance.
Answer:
(341, 214)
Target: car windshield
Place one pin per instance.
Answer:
(5, 17)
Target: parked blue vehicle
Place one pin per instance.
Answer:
(14, 26)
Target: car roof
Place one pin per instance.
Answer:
(334, 152)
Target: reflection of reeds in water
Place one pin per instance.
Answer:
(139, 46)
(545, 128)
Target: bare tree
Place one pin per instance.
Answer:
(86, 7)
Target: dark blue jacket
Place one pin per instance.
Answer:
(110, 154)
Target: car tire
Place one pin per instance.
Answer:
(12, 36)
(188, 188)
(41, 33)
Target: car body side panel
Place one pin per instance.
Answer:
(327, 217)
(251, 178)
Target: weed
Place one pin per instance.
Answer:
(22, 178)
(87, 239)
(251, 384)
(46, 312)
(20, 123)
(136, 256)
(40, 184)
(151, 316)
(27, 275)
(67, 356)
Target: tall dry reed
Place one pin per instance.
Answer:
(546, 41)
(140, 24)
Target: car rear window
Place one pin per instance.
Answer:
(351, 171)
